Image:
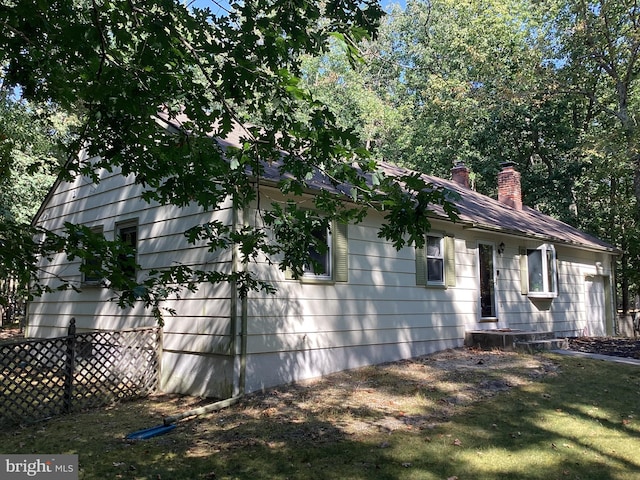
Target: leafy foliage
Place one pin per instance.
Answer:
(550, 86)
(151, 83)
(598, 47)
(30, 154)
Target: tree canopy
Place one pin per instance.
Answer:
(550, 86)
(116, 64)
(599, 66)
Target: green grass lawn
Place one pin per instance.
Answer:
(581, 422)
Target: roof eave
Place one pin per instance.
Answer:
(546, 238)
(468, 225)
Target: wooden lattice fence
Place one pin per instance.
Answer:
(47, 377)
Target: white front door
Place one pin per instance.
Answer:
(595, 306)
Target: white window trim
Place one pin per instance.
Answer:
(126, 224)
(442, 258)
(338, 256)
(546, 291)
(328, 274)
(449, 265)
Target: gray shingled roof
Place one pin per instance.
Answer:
(485, 213)
(475, 209)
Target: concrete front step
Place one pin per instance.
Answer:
(504, 339)
(542, 345)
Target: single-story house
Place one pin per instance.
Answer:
(503, 265)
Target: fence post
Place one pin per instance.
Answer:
(159, 351)
(69, 369)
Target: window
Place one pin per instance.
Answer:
(128, 234)
(92, 265)
(321, 257)
(538, 271)
(331, 262)
(435, 260)
(435, 263)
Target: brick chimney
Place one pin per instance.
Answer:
(460, 174)
(509, 191)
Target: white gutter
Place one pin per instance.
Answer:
(540, 237)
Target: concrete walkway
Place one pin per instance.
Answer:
(597, 356)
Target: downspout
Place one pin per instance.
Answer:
(243, 315)
(237, 390)
(240, 389)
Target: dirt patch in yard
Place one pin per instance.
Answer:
(409, 395)
(417, 394)
(462, 412)
(10, 333)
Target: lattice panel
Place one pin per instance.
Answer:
(43, 378)
(113, 366)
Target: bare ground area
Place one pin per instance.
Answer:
(454, 413)
(10, 333)
(417, 394)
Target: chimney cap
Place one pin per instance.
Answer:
(460, 174)
(507, 164)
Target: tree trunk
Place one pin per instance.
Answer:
(624, 284)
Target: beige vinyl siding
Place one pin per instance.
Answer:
(291, 342)
(201, 330)
(380, 311)
(306, 329)
(380, 314)
(381, 319)
(564, 314)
